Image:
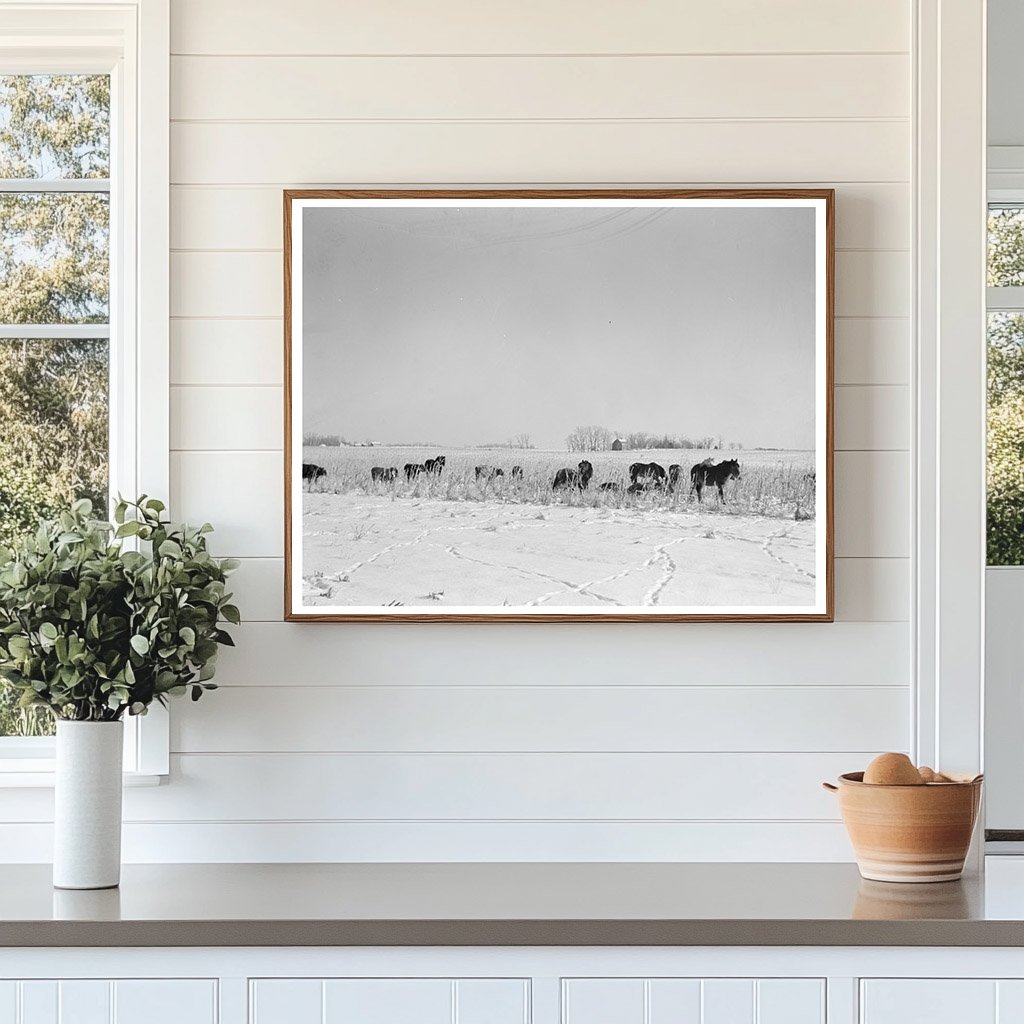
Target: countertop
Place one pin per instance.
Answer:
(492, 904)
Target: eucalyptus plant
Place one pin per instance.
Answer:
(98, 619)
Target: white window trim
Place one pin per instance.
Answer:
(949, 442)
(130, 40)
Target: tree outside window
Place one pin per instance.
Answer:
(54, 307)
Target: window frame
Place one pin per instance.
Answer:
(130, 41)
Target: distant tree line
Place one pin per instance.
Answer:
(314, 440)
(601, 439)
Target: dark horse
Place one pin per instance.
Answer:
(650, 474)
(382, 475)
(434, 465)
(413, 470)
(486, 473)
(707, 474)
(312, 472)
(578, 478)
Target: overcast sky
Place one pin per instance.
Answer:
(463, 326)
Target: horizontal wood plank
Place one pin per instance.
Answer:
(227, 418)
(534, 26)
(241, 493)
(872, 418)
(868, 216)
(872, 350)
(280, 654)
(872, 504)
(376, 787)
(227, 352)
(538, 88)
(240, 719)
(460, 842)
(727, 152)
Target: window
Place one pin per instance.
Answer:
(84, 124)
(1005, 498)
(54, 308)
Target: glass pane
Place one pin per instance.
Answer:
(54, 126)
(1005, 246)
(1006, 439)
(53, 449)
(54, 258)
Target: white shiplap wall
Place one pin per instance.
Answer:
(541, 742)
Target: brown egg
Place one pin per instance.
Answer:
(892, 770)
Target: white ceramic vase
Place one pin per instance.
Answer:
(87, 807)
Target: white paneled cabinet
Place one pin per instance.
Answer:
(101, 1001)
(942, 1001)
(693, 1001)
(389, 1001)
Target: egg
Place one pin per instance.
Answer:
(893, 770)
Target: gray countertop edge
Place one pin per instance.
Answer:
(249, 933)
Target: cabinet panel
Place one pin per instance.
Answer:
(39, 1002)
(84, 1002)
(693, 1001)
(165, 1002)
(786, 1001)
(285, 1001)
(8, 1002)
(727, 1002)
(935, 1001)
(492, 1002)
(388, 1001)
(1010, 1002)
(674, 1001)
(101, 1001)
(603, 1001)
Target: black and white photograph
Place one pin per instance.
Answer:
(540, 405)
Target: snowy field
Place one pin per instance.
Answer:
(453, 541)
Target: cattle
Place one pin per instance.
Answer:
(706, 474)
(647, 473)
(675, 472)
(384, 475)
(486, 473)
(517, 472)
(611, 486)
(312, 472)
(577, 479)
(434, 466)
(413, 470)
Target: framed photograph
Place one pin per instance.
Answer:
(558, 405)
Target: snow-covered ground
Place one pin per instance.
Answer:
(372, 550)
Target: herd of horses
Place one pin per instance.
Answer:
(643, 476)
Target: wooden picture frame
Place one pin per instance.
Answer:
(783, 486)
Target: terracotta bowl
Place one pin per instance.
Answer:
(909, 833)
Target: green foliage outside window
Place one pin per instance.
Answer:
(54, 269)
(1005, 486)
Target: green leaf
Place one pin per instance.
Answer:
(140, 644)
(48, 631)
(170, 549)
(232, 614)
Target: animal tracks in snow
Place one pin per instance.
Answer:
(363, 550)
